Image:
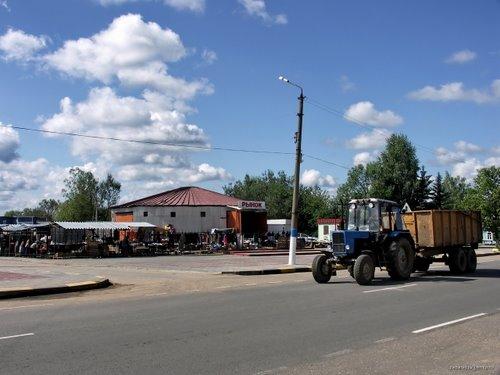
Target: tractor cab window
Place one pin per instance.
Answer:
(363, 216)
(391, 218)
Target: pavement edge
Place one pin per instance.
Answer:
(67, 288)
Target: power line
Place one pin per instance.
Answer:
(156, 143)
(326, 161)
(171, 144)
(339, 113)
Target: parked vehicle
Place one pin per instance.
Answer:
(379, 235)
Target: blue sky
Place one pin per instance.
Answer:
(205, 73)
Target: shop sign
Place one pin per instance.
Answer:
(252, 205)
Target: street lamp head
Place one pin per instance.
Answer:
(281, 78)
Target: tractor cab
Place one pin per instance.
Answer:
(368, 219)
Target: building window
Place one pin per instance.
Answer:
(203, 214)
(172, 214)
(326, 229)
(145, 214)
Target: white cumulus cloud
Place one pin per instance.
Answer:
(461, 57)
(209, 56)
(18, 45)
(191, 5)
(364, 157)
(366, 112)
(313, 177)
(369, 140)
(132, 51)
(456, 91)
(257, 8)
(464, 159)
(9, 143)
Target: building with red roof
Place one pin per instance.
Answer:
(194, 209)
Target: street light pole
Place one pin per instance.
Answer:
(296, 178)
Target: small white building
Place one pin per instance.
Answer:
(326, 226)
(488, 238)
(278, 225)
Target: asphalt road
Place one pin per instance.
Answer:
(241, 330)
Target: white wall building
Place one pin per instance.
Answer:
(326, 226)
(278, 225)
(195, 210)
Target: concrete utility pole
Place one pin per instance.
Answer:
(296, 179)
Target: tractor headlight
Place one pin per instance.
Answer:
(347, 247)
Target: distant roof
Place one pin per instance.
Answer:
(329, 220)
(374, 200)
(184, 196)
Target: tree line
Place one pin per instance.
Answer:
(85, 198)
(395, 175)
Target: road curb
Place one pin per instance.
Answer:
(66, 288)
(487, 255)
(268, 271)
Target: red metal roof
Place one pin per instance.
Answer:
(184, 196)
(329, 221)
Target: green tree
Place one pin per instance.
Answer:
(422, 193)
(48, 207)
(108, 194)
(485, 196)
(455, 190)
(394, 173)
(439, 194)
(276, 190)
(13, 213)
(86, 197)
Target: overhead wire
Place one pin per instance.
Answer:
(172, 144)
(339, 113)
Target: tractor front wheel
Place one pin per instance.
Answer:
(364, 269)
(321, 269)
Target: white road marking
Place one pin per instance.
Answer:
(274, 282)
(14, 336)
(387, 339)
(449, 323)
(340, 352)
(266, 372)
(389, 288)
(224, 287)
(251, 284)
(194, 290)
(156, 294)
(25, 306)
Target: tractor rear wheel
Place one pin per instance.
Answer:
(364, 269)
(321, 269)
(400, 258)
(458, 261)
(471, 261)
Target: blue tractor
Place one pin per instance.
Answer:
(374, 238)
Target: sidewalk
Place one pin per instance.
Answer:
(30, 281)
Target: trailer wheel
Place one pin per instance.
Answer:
(321, 270)
(458, 261)
(471, 261)
(400, 259)
(364, 269)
